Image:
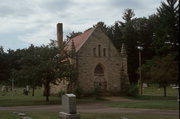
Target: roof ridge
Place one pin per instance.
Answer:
(88, 35)
(80, 39)
(79, 34)
(82, 33)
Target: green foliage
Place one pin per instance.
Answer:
(162, 70)
(158, 35)
(145, 69)
(78, 91)
(2, 65)
(61, 93)
(155, 91)
(131, 43)
(133, 90)
(166, 30)
(165, 70)
(128, 15)
(35, 66)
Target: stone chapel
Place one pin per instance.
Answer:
(98, 61)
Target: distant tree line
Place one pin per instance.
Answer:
(158, 34)
(34, 66)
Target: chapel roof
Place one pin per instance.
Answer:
(79, 40)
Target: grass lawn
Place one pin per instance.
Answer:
(154, 90)
(18, 99)
(152, 99)
(27, 100)
(129, 116)
(149, 104)
(54, 115)
(7, 115)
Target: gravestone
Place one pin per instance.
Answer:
(69, 103)
(26, 118)
(27, 88)
(145, 85)
(69, 107)
(3, 88)
(21, 114)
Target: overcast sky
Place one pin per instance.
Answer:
(25, 22)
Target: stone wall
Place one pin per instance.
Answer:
(87, 62)
(88, 58)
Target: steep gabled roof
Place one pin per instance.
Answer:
(79, 40)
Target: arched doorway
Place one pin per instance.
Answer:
(99, 78)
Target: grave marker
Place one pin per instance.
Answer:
(69, 107)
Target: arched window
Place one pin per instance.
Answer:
(99, 70)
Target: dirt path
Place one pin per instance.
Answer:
(91, 108)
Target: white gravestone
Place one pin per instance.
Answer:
(69, 103)
(69, 107)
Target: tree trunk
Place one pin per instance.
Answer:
(47, 88)
(47, 98)
(69, 88)
(33, 90)
(164, 90)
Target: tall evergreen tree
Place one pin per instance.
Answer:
(129, 37)
(3, 65)
(166, 32)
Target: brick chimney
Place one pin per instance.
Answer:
(60, 35)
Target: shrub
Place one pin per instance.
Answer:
(133, 90)
(61, 93)
(78, 91)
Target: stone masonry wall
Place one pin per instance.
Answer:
(87, 62)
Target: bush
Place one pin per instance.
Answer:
(61, 93)
(78, 91)
(133, 90)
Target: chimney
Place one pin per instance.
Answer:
(123, 50)
(60, 34)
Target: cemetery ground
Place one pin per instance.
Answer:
(152, 105)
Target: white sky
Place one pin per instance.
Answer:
(25, 22)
